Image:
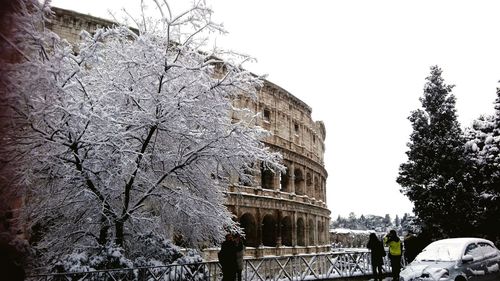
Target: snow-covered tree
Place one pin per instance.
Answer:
(387, 220)
(368, 222)
(432, 176)
(483, 167)
(397, 221)
(130, 135)
(410, 224)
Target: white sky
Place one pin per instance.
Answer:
(361, 66)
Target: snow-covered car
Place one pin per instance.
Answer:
(455, 259)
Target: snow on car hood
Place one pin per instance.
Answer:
(434, 269)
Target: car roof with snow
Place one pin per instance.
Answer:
(448, 249)
(460, 241)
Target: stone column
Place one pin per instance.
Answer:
(306, 229)
(307, 191)
(278, 227)
(323, 193)
(276, 181)
(326, 231)
(292, 177)
(316, 232)
(317, 186)
(320, 231)
(258, 218)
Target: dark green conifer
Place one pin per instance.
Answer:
(483, 172)
(432, 175)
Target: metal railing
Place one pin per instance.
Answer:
(323, 266)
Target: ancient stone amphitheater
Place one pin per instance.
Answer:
(282, 214)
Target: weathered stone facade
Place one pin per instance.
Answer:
(68, 24)
(281, 213)
(286, 209)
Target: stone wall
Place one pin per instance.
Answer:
(68, 24)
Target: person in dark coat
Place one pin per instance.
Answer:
(227, 259)
(240, 252)
(410, 247)
(377, 256)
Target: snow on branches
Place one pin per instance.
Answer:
(130, 134)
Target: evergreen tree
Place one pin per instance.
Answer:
(410, 224)
(397, 221)
(483, 163)
(405, 217)
(387, 220)
(351, 221)
(362, 221)
(339, 223)
(431, 178)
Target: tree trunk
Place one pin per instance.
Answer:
(119, 233)
(103, 232)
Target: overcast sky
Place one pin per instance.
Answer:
(361, 66)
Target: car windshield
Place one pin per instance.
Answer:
(448, 251)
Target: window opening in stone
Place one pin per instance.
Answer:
(309, 179)
(311, 232)
(286, 231)
(267, 178)
(269, 231)
(284, 181)
(247, 222)
(300, 232)
(317, 192)
(267, 114)
(299, 182)
(320, 233)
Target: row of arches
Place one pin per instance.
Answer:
(295, 180)
(283, 230)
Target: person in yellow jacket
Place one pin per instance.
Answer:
(395, 248)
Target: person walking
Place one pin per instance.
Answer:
(410, 247)
(240, 252)
(227, 258)
(377, 256)
(395, 248)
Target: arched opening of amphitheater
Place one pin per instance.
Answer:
(270, 234)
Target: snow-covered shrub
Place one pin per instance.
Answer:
(191, 256)
(154, 250)
(149, 250)
(107, 257)
(192, 269)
